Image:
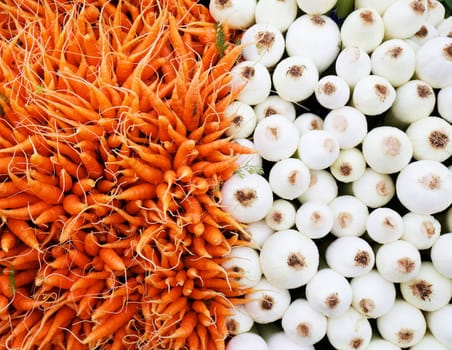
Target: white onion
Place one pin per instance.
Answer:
(281, 216)
(439, 322)
(374, 189)
(248, 162)
(259, 231)
(415, 100)
(263, 43)
(395, 61)
(363, 28)
(237, 14)
(434, 62)
(431, 138)
(243, 120)
(373, 95)
(289, 178)
(318, 149)
(239, 321)
(421, 230)
(436, 12)
(347, 124)
(404, 18)
(384, 225)
(308, 121)
(275, 138)
(429, 342)
(350, 216)
(276, 12)
(440, 254)
(322, 187)
(316, 37)
(253, 80)
(274, 104)
(329, 293)
(245, 341)
(314, 219)
(267, 302)
(303, 324)
(398, 261)
(404, 325)
(350, 256)
(246, 261)
(349, 331)
(425, 187)
(353, 64)
(349, 166)
(247, 198)
(316, 7)
(332, 92)
(289, 259)
(444, 104)
(387, 149)
(295, 78)
(373, 296)
(429, 290)
(379, 5)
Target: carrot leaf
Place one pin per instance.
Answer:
(12, 280)
(220, 39)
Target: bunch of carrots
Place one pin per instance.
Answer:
(112, 155)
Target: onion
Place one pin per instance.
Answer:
(440, 254)
(404, 18)
(329, 293)
(248, 198)
(439, 322)
(303, 324)
(253, 80)
(434, 62)
(373, 296)
(267, 302)
(295, 78)
(289, 259)
(387, 149)
(398, 261)
(237, 14)
(363, 28)
(279, 13)
(289, 178)
(245, 341)
(263, 43)
(429, 290)
(347, 124)
(318, 149)
(404, 325)
(353, 64)
(350, 216)
(349, 331)
(425, 187)
(275, 138)
(316, 37)
(373, 95)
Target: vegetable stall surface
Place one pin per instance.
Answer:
(113, 151)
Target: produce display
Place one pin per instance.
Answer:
(225, 174)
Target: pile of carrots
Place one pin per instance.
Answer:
(112, 156)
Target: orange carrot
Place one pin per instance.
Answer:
(111, 324)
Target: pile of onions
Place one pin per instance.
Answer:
(349, 192)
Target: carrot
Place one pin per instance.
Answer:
(49, 215)
(24, 232)
(186, 327)
(7, 241)
(108, 307)
(112, 324)
(62, 319)
(112, 259)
